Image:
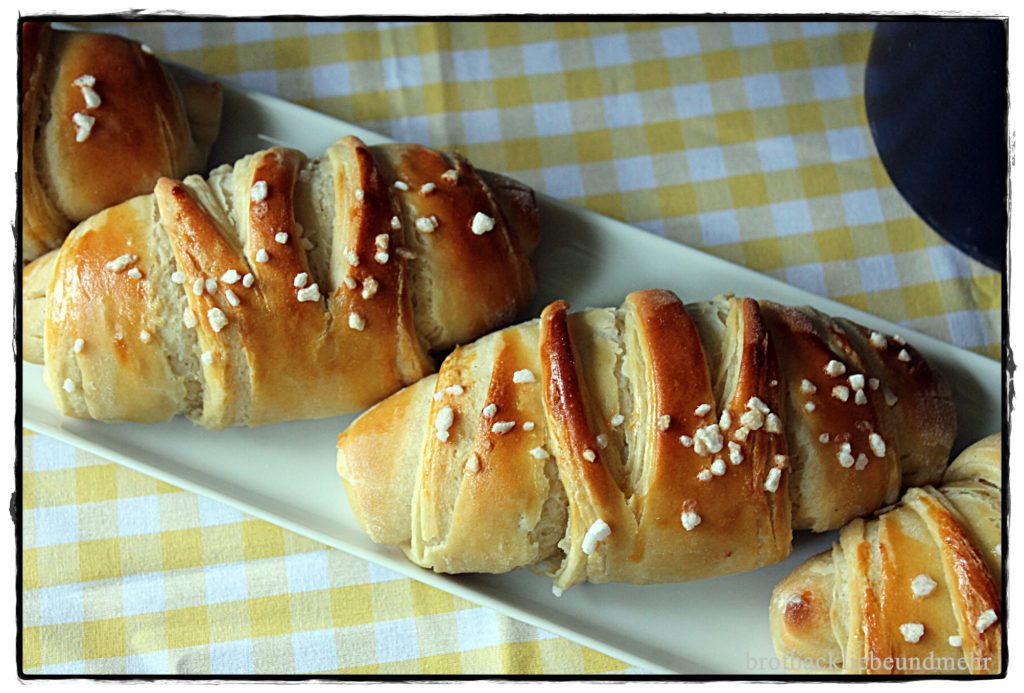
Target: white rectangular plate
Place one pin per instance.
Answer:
(285, 473)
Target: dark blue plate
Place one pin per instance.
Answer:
(935, 93)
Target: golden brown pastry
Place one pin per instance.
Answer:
(280, 288)
(102, 119)
(656, 442)
(913, 591)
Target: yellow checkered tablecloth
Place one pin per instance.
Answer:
(748, 140)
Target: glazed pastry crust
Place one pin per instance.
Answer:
(847, 606)
(678, 433)
(175, 329)
(148, 124)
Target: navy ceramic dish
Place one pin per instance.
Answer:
(935, 93)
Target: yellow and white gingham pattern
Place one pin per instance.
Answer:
(748, 140)
(124, 574)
